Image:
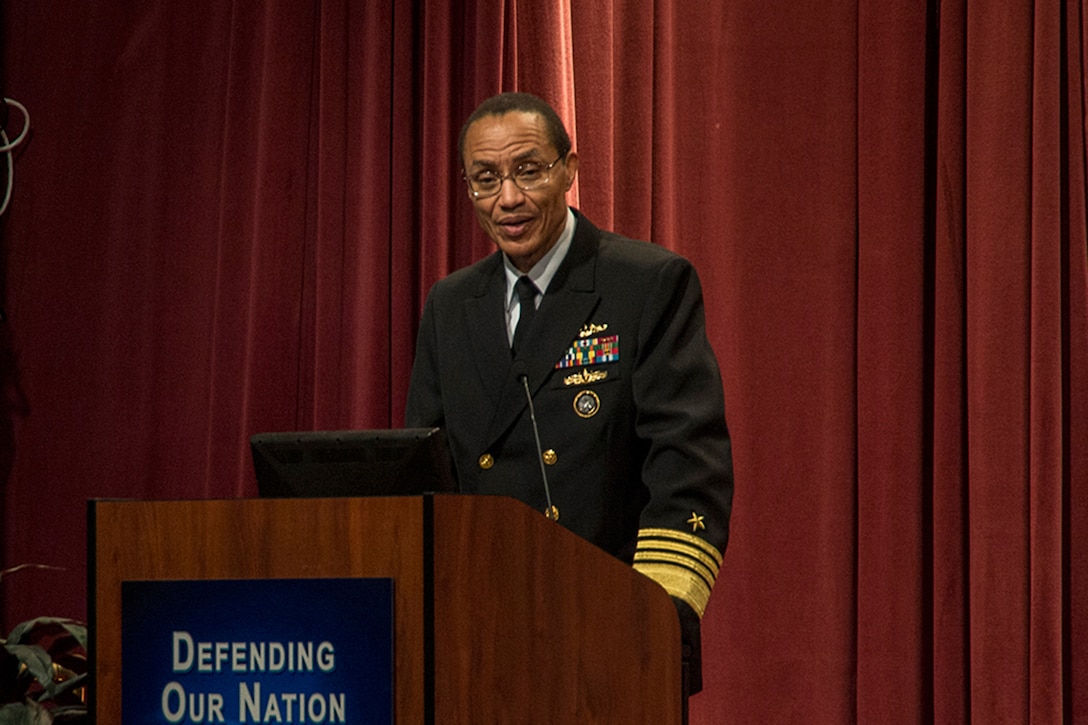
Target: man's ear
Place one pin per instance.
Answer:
(572, 168)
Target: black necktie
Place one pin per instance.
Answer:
(527, 293)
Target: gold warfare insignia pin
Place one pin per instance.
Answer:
(590, 330)
(585, 377)
(586, 404)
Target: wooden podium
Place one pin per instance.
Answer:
(500, 615)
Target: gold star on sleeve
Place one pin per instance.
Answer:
(696, 522)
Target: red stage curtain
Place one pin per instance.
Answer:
(228, 216)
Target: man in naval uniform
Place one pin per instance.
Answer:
(607, 337)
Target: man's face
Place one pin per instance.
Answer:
(524, 224)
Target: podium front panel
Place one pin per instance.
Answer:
(256, 539)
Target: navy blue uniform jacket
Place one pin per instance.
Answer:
(628, 399)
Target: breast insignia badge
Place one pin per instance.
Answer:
(590, 330)
(586, 404)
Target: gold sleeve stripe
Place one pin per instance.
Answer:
(678, 582)
(709, 563)
(664, 557)
(683, 537)
(685, 565)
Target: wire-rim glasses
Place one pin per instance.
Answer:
(529, 176)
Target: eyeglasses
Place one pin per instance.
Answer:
(529, 176)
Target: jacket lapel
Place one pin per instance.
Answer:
(565, 307)
(485, 318)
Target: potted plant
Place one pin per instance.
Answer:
(43, 672)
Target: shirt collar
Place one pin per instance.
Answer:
(542, 272)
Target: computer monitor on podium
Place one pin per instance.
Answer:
(319, 464)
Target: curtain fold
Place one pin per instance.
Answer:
(229, 215)
(1046, 386)
(1074, 362)
(948, 399)
(893, 497)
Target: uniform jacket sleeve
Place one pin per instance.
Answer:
(688, 463)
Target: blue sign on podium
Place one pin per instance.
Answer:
(257, 651)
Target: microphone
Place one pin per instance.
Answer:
(551, 512)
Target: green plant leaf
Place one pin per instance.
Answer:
(68, 712)
(24, 630)
(59, 688)
(38, 663)
(28, 714)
